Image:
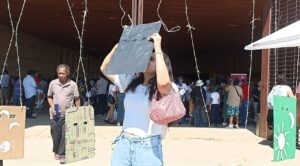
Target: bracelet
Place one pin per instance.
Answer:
(158, 53)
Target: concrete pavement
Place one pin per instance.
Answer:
(183, 146)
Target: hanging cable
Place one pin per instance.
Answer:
(10, 42)
(80, 37)
(14, 35)
(251, 59)
(275, 50)
(285, 50)
(17, 51)
(190, 31)
(298, 54)
(174, 29)
(297, 66)
(124, 14)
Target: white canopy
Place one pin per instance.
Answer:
(288, 36)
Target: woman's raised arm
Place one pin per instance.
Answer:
(162, 74)
(106, 61)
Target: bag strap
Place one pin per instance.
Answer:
(236, 91)
(173, 90)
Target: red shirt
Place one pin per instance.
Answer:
(37, 80)
(298, 89)
(245, 91)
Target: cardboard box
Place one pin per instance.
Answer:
(80, 133)
(12, 129)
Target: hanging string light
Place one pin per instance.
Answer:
(190, 31)
(298, 53)
(124, 14)
(251, 59)
(174, 29)
(275, 50)
(80, 37)
(14, 36)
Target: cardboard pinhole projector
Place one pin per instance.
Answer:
(80, 133)
(12, 130)
(134, 49)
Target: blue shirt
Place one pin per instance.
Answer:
(4, 81)
(29, 86)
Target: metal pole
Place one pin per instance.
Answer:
(134, 12)
(140, 12)
(137, 11)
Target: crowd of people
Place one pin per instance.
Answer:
(219, 104)
(205, 102)
(125, 100)
(31, 92)
(34, 89)
(208, 102)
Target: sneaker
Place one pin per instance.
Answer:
(30, 117)
(62, 159)
(230, 126)
(34, 115)
(224, 124)
(236, 126)
(118, 124)
(56, 156)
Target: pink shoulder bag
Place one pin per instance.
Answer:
(168, 109)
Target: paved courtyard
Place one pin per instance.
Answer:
(183, 146)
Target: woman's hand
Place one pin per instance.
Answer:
(157, 42)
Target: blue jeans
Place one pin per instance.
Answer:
(30, 105)
(16, 100)
(120, 107)
(137, 151)
(243, 112)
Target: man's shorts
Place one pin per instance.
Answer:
(233, 110)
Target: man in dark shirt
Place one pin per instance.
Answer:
(5, 88)
(199, 114)
(256, 99)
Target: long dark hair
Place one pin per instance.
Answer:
(152, 82)
(281, 79)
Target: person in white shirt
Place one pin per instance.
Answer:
(214, 106)
(281, 89)
(184, 91)
(141, 137)
(30, 93)
(101, 95)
